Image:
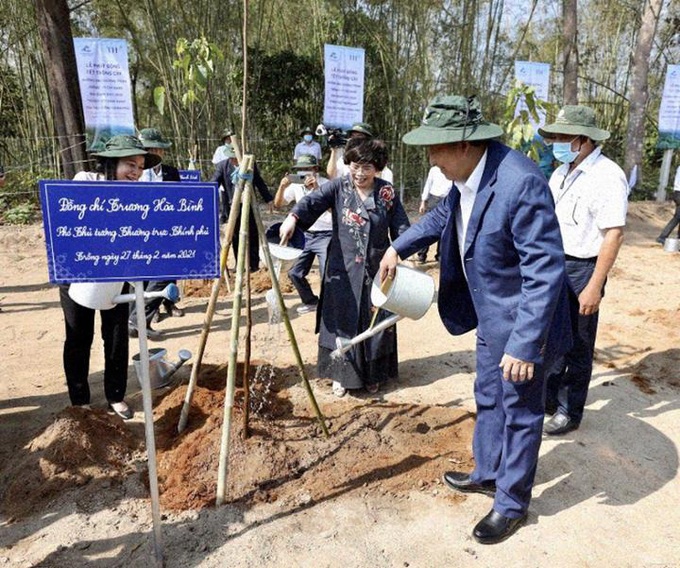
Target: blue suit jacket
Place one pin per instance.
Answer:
(515, 291)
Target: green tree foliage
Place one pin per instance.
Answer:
(414, 51)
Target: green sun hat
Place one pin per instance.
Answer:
(305, 161)
(123, 146)
(363, 128)
(575, 120)
(152, 138)
(306, 130)
(452, 118)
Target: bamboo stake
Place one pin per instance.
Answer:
(246, 166)
(210, 310)
(286, 320)
(249, 329)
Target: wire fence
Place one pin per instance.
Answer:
(27, 161)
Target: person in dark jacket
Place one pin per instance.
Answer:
(224, 172)
(503, 275)
(367, 215)
(154, 142)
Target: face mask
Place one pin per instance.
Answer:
(307, 137)
(563, 152)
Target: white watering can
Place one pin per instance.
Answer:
(409, 294)
(106, 295)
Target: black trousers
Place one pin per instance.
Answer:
(153, 305)
(675, 221)
(79, 323)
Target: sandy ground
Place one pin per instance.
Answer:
(606, 494)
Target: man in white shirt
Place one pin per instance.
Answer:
(308, 145)
(317, 237)
(591, 200)
(436, 188)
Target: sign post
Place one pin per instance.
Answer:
(108, 232)
(669, 126)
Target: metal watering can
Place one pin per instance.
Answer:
(160, 370)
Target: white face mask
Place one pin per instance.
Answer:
(307, 137)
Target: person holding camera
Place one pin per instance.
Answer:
(339, 145)
(308, 145)
(297, 187)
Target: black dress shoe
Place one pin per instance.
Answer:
(461, 482)
(496, 527)
(559, 424)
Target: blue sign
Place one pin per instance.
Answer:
(190, 175)
(108, 231)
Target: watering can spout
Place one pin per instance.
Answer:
(160, 370)
(168, 369)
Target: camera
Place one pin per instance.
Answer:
(336, 136)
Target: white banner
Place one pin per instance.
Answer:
(344, 86)
(669, 111)
(536, 75)
(105, 89)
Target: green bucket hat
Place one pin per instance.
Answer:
(227, 133)
(152, 138)
(122, 146)
(452, 118)
(576, 120)
(305, 161)
(363, 128)
(306, 130)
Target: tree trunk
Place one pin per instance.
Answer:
(639, 86)
(570, 52)
(54, 27)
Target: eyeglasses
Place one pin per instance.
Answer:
(363, 168)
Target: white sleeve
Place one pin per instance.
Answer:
(289, 193)
(427, 187)
(676, 183)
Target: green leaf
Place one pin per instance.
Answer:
(159, 99)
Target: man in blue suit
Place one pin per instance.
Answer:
(503, 274)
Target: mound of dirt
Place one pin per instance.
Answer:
(394, 448)
(373, 446)
(260, 281)
(78, 447)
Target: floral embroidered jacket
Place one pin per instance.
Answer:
(362, 232)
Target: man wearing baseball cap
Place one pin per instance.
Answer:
(502, 273)
(591, 200)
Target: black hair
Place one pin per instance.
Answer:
(107, 167)
(366, 151)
